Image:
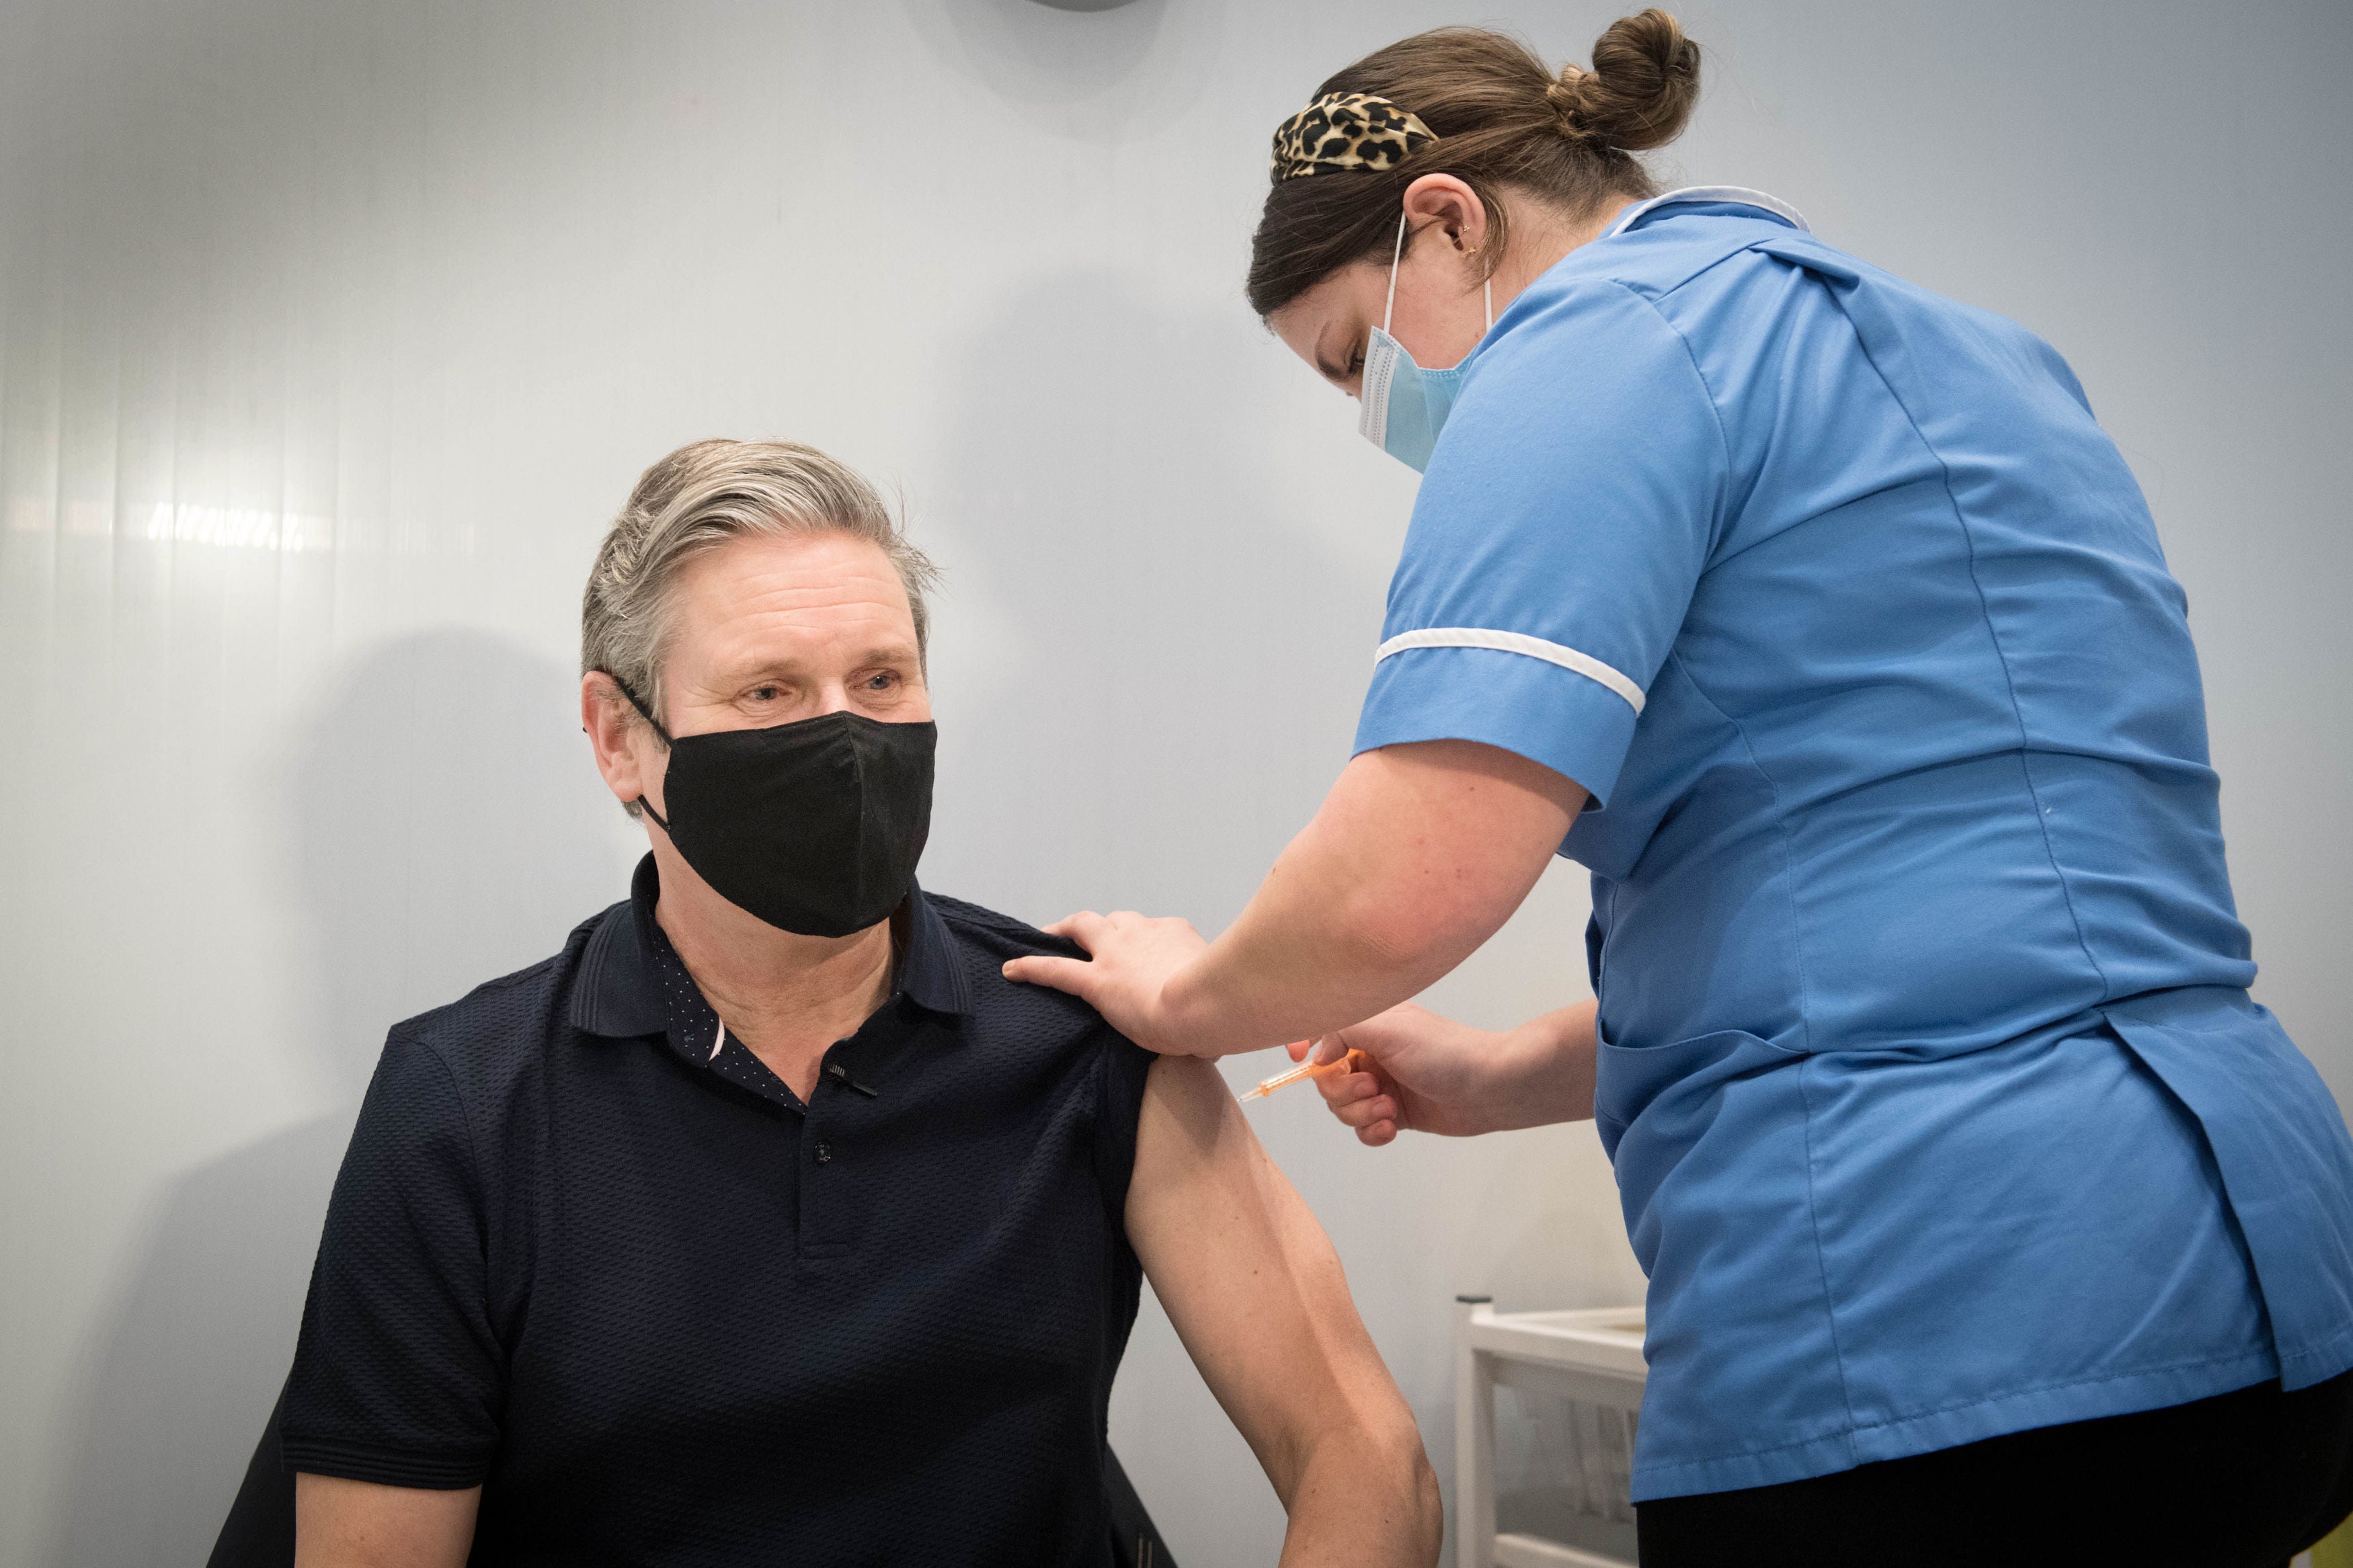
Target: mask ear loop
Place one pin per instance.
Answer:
(1388, 307)
(642, 803)
(1396, 256)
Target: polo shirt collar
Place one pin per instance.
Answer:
(616, 993)
(931, 972)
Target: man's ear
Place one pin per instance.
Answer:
(611, 725)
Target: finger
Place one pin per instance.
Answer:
(1076, 927)
(1299, 1049)
(1075, 975)
(1347, 1088)
(1330, 1049)
(1366, 1112)
(1378, 1135)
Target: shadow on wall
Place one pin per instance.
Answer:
(447, 827)
(1166, 676)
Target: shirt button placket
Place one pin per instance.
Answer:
(823, 1215)
(816, 1163)
(827, 1218)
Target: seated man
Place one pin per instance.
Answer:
(767, 1223)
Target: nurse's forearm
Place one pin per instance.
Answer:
(1419, 855)
(1557, 1051)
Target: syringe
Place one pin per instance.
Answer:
(1348, 1063)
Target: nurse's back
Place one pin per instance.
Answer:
(1934, 694)
(1922, 997)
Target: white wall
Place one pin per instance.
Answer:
(331, 333)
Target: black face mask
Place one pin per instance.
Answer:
(815, 826)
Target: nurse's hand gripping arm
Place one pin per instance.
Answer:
(1419, 855)
(1257, 1296)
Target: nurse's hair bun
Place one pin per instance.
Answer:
(1641, 91)
(1483, 107)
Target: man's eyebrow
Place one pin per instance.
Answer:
(788, 663)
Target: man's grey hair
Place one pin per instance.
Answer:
(698, 498)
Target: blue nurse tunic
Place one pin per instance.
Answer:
(1938, 1106)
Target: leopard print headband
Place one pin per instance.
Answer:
(1346, 131)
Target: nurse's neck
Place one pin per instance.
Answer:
(1541, 235)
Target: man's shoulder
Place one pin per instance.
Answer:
(996, 932)
(985, 939)
(1036, 1026)
(489, 1035)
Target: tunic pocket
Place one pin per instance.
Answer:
(1682, 1085)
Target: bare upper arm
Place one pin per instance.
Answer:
(341, 1523)
(1250, 1280)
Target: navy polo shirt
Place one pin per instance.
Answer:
(664, 1311)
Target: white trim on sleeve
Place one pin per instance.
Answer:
(1584, 664)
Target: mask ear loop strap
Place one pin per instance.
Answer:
(1388, 307)
(642, 803)
(1396, 256)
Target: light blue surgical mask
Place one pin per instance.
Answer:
(1404, 405)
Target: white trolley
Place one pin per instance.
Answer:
(1591, 1364)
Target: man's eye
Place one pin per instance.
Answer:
(883, 681)
(765, 694)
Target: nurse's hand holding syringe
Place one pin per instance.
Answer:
(1410, 1068)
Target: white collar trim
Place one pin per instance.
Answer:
(1740, 193)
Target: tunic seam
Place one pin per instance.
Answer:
(1674, 656)
(1822, 1259)
(2000, 654)
(1781, 825)
(1780, 828)
(1707, 395)
(1805, 1025)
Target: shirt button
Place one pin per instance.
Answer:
(823, 1152)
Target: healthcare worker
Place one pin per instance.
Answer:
(1987, 1220)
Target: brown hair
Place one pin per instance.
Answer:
(1501, 121)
